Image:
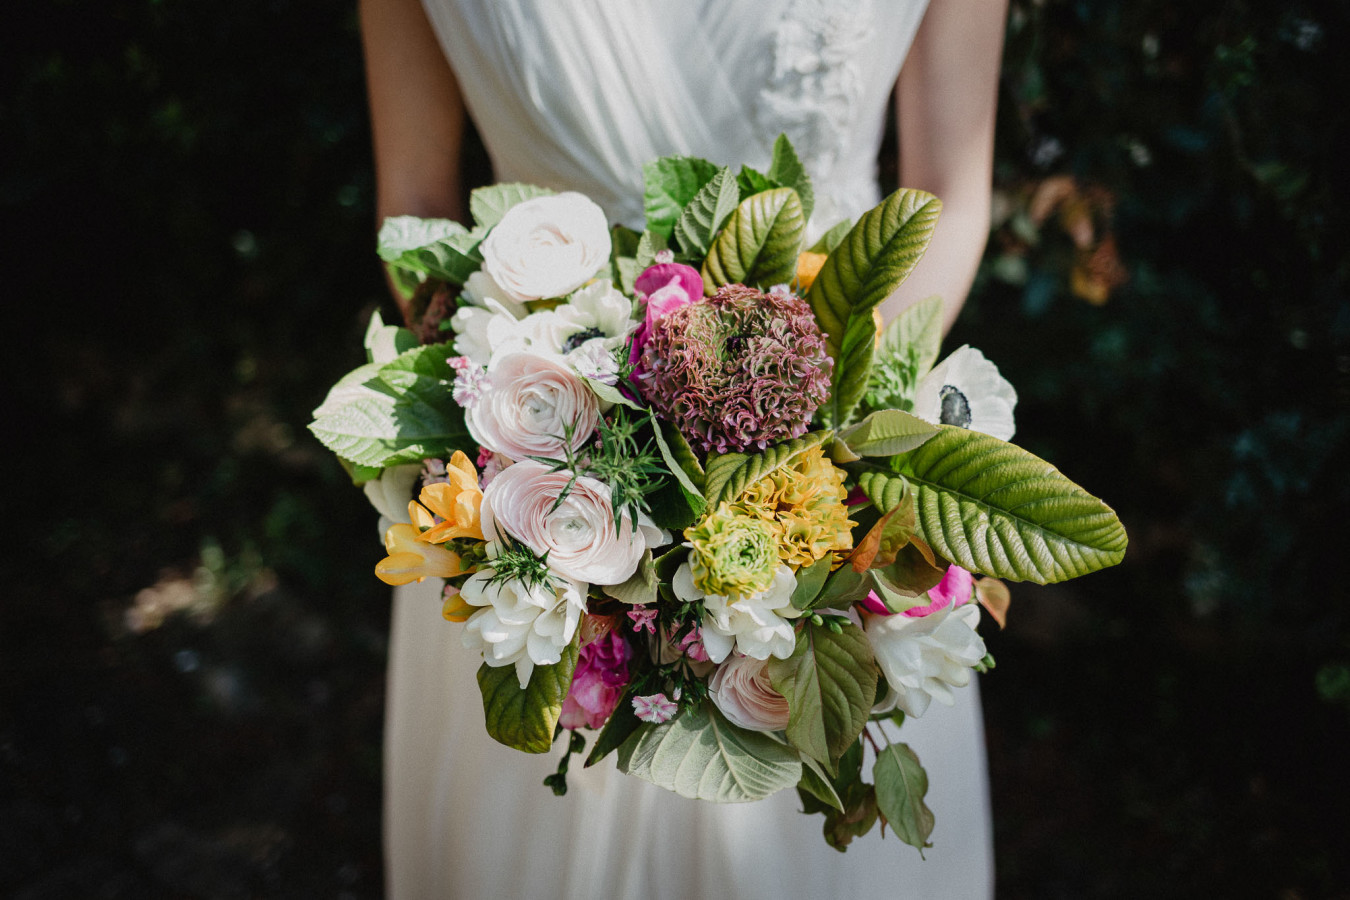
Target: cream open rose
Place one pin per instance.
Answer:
(528, 405)
(741, 690)
(547, 246)
(579, 536)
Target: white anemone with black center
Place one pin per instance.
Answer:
(966, 390)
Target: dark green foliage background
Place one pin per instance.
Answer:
(188, 199)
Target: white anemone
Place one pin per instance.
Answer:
(966, 389)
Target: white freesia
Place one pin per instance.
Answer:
(966, 389)
(519, 624)
(578, 536)
(529, 405)
(391, 492)
(741, 690)
(547, 246)
(755, 624)
(924, 658)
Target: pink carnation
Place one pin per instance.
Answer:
(597, 683)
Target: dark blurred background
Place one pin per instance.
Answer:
(191, 640)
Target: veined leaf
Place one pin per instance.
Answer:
(622, 723)
(438, 248)
(649, 245)
(525, 718)
(489, 204)
(901, 784)
(700, 755)
(816, 782)
(830, 682)
(707, 212)
(728, 475)
(872, 261)
(669, 184)
(641, 586)
(760, 242)
(887, 432)
(786, 170)
(996, 509)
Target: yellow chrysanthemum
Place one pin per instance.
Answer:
(456, 502)
(805, 501)
(412, 559)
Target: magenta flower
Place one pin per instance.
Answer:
(597, 683)
(953, 590)
(667, 286)
(654, 708)
(692, 645)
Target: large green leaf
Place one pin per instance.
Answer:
(901, 784)
(760, 242)
(488, 204)
(728, 475)
(706, 213)
(438, 248)
(996, 509)
(525, 718)
(700, 755)
(830, 682)
(669, 184)
(872, 261)
(887, 432)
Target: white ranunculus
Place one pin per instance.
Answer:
(755, 624)
(741, 690)
(481, 290)
(547, 246)
(528, 406)
(579, 536)
(966, 389)
(924, 658)
(518, 624)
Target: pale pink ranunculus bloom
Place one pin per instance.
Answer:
(528, 406)
(597, 683)
(547, 246)
(741, 690)
(579, 534)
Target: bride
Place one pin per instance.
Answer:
(578, 96)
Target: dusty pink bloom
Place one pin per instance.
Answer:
(643, 618)
(666, 286)
(953, 590)
(692, 645)
(654, 708)
(597, 683)
(741, 690)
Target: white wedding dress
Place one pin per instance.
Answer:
(579, 95)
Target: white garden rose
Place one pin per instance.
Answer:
(924, 658)
(966, 389)
(579, 535)
(755, 624)
(519, 624)
(529, 404)
(741, 690)
(547, 246)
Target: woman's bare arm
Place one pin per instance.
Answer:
(416, 114)
(945, 105)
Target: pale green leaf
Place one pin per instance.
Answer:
(640, 588)
(525, 718)
(669, 184)
(873, 260)
(488, 204)
(702, 756)
(728, 475)
(832, 238)
(916, 333)
(887, 432)
(649, 245)
(759, 244)
(901, 784)
(995, 509)
(810, 579)
(438, 248)
(679, 458)
(786, 170)
(830, 683)
(707, 212)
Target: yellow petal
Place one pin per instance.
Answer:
(401, 568)
(808, 267)
(455, 609)
(419, 516)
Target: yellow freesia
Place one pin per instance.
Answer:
(411, 558)
(456, 502)
(455, 608)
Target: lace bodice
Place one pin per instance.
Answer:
(579, 95)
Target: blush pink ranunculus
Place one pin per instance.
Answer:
(741, 690)
(597, 683)
(667, 287)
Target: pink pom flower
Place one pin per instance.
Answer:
(597, 683)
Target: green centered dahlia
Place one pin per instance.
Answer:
(737, 370)
(733, 554)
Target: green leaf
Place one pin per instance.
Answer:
(359, 474)
(786, 170)
(640, 588)
(706, 213)
(489, 204)
(525, 718)
(901, 784)
(844, 587)
(385, 342)
(832, 238)
(669, 184)
(759, 244)
(438, 248)
(830, 682)
(994, 508)
(810, 580)
(700, 755)
(680, 458)
(622, 723)
(816, 782)
(727, 476)
(752, 181)
(872, 261)
(424, 369)
(917, 334)
(650, 245)
(858, 799)
(887, 432)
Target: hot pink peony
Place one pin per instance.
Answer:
(597, 683)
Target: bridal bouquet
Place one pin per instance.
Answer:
(686, 493)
